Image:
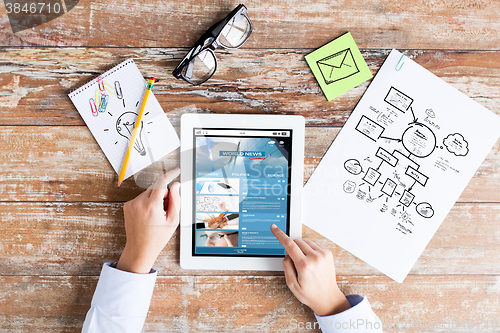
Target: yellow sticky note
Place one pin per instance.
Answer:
(338, 66)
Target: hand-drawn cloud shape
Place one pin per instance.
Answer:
(353, 166)
(424, 209)
(349, 186)
(456, 144)
(430, 113)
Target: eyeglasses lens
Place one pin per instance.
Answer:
(200, 68)
(203, 66)
(235, 32)
(213, 238)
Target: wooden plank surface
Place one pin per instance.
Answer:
(34, 83)
(64, 238)
(411, 24)
(247, 304)
(64, 163)
(61, 215)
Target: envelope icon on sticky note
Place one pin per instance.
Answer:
(337, 66)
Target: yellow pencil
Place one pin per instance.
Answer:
(136, 130)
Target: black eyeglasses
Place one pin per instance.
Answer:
(200, 63)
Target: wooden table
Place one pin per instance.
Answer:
(61, 213)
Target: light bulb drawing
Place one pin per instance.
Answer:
(126, 121)
(125, 126)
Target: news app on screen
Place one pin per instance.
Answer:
(241, 186)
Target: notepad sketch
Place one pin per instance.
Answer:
(401, 161)
(109, 105)
(337, 66)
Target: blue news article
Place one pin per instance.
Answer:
(241, 189)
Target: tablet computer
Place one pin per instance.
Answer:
(239, 175)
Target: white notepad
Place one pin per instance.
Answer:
(397, 167)
(109, 105)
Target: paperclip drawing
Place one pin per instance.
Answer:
(102, 98)
(93, 107)
(118, 90)
(109, 88)
(119, 93)
(100, 84)
(97, 98)
(104, 103)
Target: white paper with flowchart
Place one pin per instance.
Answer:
(398, 165)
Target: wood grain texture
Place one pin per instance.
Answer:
(248, 304)
(414, 24)
(64, 163)
(61, 215)
(34, 83)
(76, 238)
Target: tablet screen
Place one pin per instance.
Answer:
(241, 187)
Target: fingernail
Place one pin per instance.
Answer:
(274, 226)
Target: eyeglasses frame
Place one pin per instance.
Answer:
(209, 41)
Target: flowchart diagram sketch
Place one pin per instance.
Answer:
(399, 164)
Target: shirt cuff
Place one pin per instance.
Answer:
(359, 318)
(134, 291)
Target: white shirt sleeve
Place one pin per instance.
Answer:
(121, 301)
(359, 318)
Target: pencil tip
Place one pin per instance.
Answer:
(119, 183)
